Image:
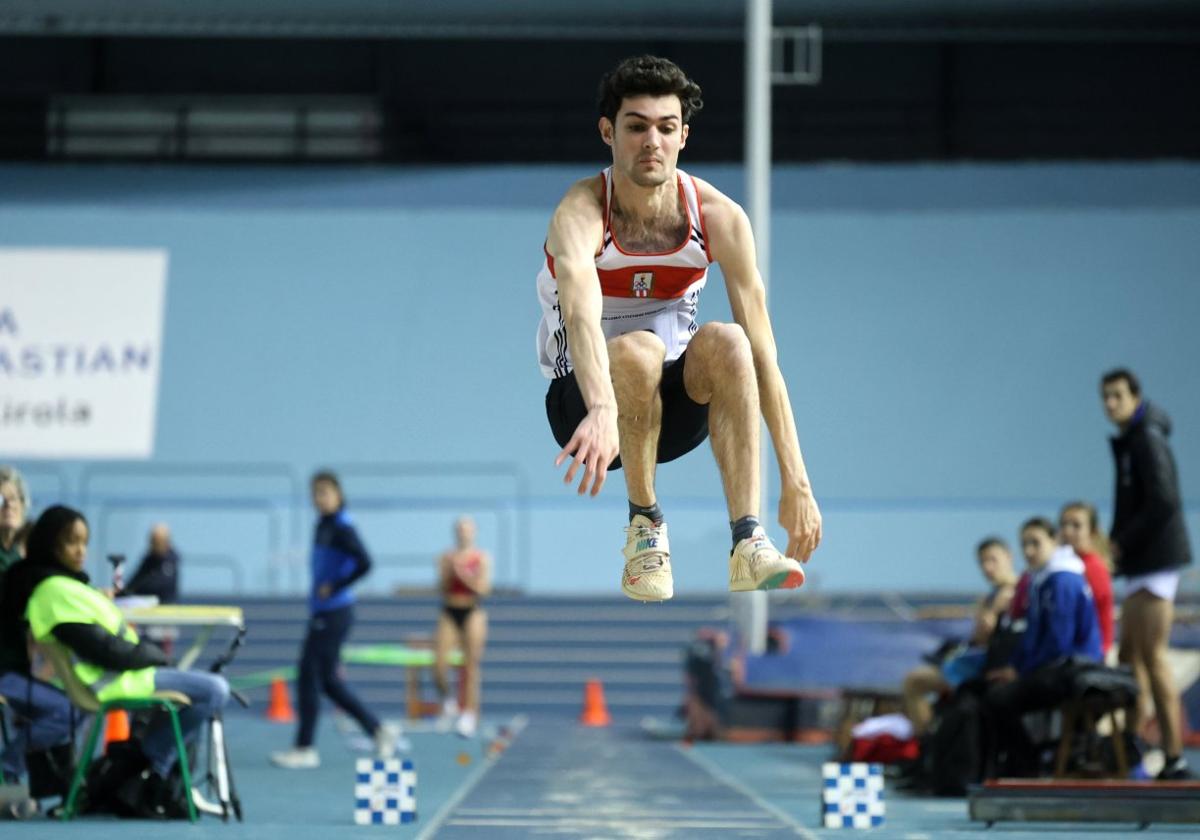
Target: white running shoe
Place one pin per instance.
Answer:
(388, 739)
(297, 758)
(467, 723)
(445, 721)
(757, 564)
(647, 553)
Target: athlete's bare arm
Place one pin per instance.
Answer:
(445, 571)
(480, 580)
(576, 232)
(731, 242)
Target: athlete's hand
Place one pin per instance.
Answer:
(593, 446)
(801, 518)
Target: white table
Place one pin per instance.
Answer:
(207, 617)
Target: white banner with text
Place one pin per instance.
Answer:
(80, 351)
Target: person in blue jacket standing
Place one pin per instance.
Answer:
(1061, 630)
(338, 560)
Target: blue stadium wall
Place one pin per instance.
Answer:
(941, 329)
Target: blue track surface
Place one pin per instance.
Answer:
(561, 780)
(557, 779)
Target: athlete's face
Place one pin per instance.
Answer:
(72, 546)
(646, 138)
(464, 532)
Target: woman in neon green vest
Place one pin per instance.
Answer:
(109, 656)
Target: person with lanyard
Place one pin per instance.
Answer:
(338, 560)
(50, 588)
(464, 576)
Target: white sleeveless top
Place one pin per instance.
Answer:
(655, 292)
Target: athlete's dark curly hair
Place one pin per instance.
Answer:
(647, 74)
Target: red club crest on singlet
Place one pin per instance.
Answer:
(643, 282)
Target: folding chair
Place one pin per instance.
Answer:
(85, 700)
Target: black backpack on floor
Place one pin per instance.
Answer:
(120, 783)
(952, 754)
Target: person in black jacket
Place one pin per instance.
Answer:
(158, 573)
(1149, 547)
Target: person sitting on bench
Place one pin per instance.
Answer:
(1061, 629)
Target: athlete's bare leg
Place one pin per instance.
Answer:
(636, 361)
(444, 639)
(1145, 631)
(474, 640)
(919, 683)
(719, 372)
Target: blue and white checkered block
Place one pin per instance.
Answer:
(385, 791)
(852, 795)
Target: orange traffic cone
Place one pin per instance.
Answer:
(595, 711)
(280, 708)
(116, 726)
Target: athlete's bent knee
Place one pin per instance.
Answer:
(638, 355)
(637, 348)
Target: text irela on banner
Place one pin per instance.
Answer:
(43, 413)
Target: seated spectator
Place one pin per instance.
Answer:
(995, 562)
(1061, 625)
(158, 573)
(43, 713)
(1079, 527)
(51, 590)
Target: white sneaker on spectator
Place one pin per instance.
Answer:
(756, 563)
(297, 758)
(647, 575)
(467, 723)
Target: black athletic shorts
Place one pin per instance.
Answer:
(684, 422)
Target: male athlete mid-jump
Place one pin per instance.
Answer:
(632, 372)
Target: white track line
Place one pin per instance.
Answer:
(632, 813)
(517, 726)
(723, 777)
(577, 823)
